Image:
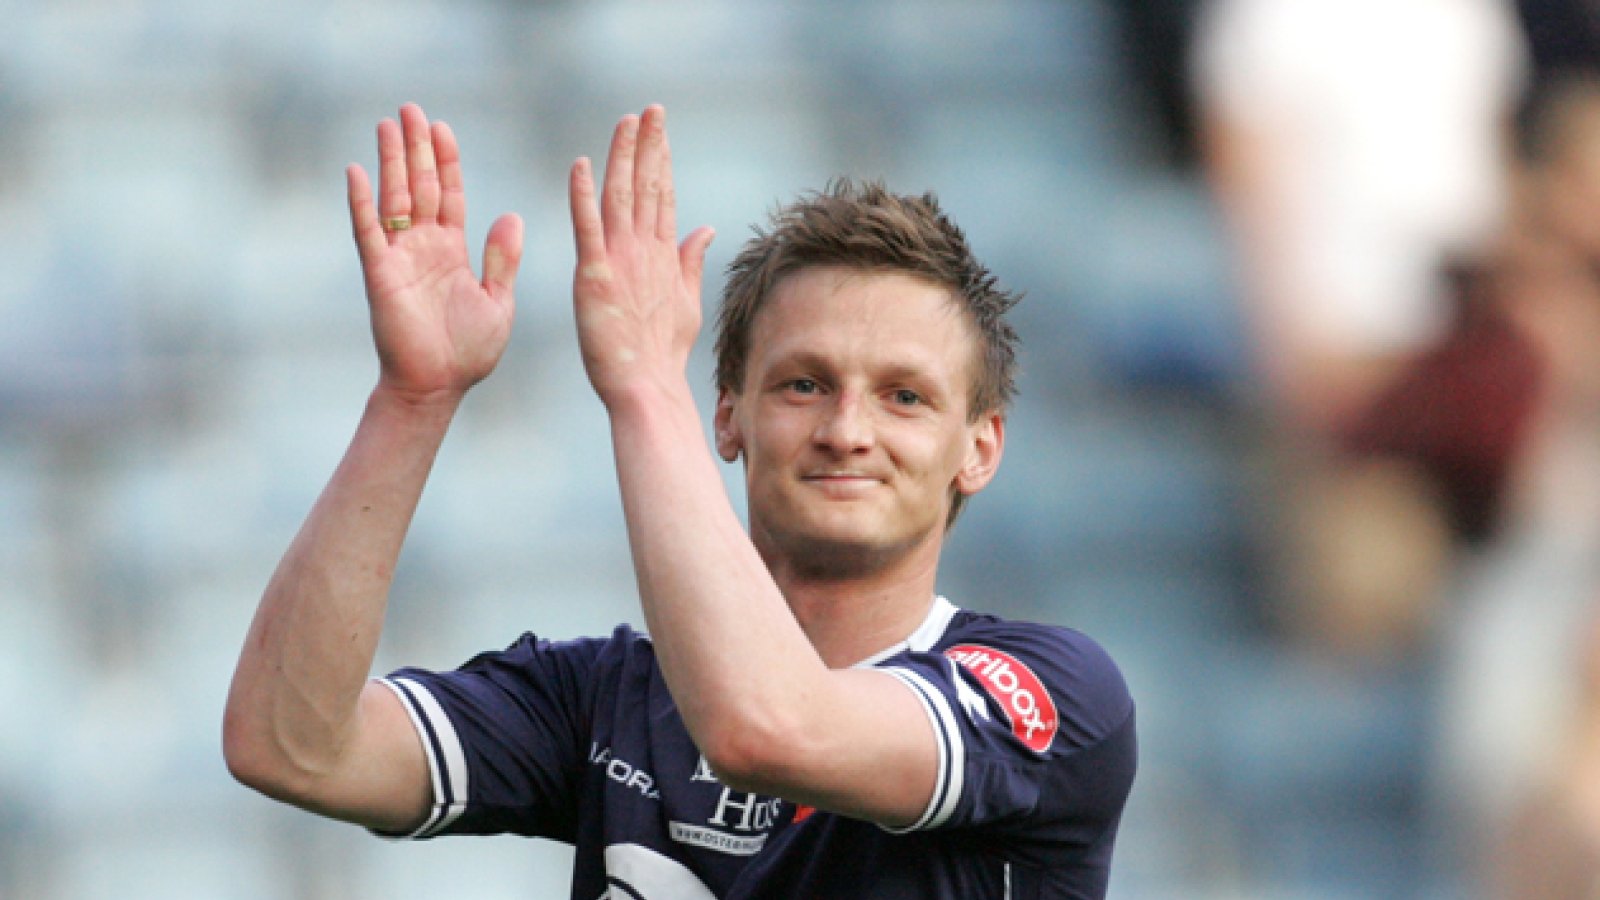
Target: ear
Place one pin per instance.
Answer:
(730, 442)
(987, 443)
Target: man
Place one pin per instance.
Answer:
(806, 717)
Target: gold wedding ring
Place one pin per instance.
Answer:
(396, 223)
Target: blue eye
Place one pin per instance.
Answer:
(907, 397)
(804, 386)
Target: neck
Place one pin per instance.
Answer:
(850, 617)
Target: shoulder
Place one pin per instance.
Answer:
(530, 649)
(569, 666)
(1050, 666)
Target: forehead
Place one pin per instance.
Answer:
(855, 315)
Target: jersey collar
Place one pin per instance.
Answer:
(923, 638)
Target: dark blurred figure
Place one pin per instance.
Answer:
(1563, 42)
(1155, 38)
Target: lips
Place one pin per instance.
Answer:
(847, 483)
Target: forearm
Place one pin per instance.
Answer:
(309, 651)
(736, 660)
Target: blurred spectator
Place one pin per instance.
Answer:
(1356, 146)
(1509, 692)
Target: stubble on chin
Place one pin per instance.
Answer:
(818, 558)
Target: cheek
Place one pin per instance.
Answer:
(780, 431)
(927, 452)
(767, 450)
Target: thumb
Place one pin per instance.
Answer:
(502, 255)
(692, 254)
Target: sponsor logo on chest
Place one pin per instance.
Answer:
(738, 823)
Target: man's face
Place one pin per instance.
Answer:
(853, 419)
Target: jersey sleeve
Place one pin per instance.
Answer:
(1036, 733)
(505, 737)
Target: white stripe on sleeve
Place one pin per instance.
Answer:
(447, 763)
(952, 752)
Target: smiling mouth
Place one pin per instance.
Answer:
(842, 486)
(840, 477)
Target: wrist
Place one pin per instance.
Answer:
(647, 399)
(421, 406)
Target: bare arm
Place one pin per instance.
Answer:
(758, 700)
(303, 723)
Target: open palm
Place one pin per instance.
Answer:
(636, 291)
(439, 329)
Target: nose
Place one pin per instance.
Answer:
(845, 425)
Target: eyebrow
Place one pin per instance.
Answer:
(926, 377)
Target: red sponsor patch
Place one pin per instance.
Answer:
(1020, 692)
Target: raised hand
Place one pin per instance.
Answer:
(636, 291)
(439, 329)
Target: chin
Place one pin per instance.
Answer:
(833, 554)
(835, 560)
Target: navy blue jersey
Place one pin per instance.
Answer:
(581, 742)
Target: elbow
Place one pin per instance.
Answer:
(245, 750)
(756, 754)
(257, 759)
(241, 751)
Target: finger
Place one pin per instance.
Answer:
(617, 197)
(667, 217)
(370, 240)
(588, 230)
(394, 193)
(502, 255)
(452, 191)
(421, 168)
(647, 169)
(692, 256)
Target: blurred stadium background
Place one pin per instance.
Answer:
(184, 353)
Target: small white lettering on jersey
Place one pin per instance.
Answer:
(702, 771)
(722, 842)
(623, 772)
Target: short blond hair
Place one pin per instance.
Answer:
(861, 225)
